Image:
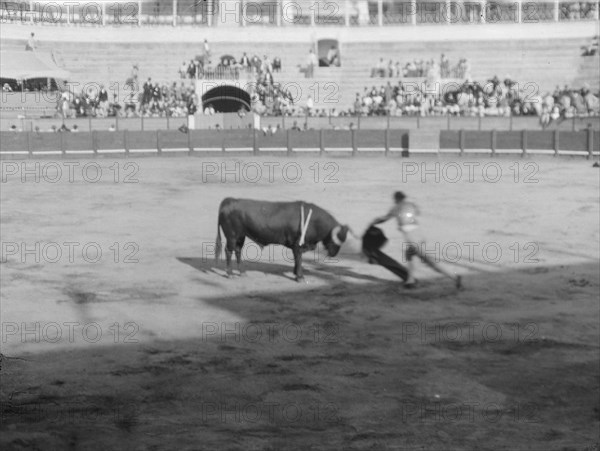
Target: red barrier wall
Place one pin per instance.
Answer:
(586, 141)
(110, 140)
(370, 139)
(337, 139)
(305, 139)
(276, 141)
(508, 140)
(77, 141)
(449, 139)
(477, 140)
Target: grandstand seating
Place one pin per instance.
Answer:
(545, 62)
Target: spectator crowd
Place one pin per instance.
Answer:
(177, 99)
(422, 68)
(493, 98)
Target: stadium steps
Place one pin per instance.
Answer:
(544, 63)
(588, 72)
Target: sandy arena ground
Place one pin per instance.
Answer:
(149, 347)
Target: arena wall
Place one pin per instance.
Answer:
(353, 142)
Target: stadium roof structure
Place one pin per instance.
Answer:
(25, 65)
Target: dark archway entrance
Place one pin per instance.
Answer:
(226, 99)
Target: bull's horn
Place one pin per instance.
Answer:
(334, 235)
(352, 232)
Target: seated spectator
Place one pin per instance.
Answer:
(379, 69)
(209, 110)
(332, 56)
(276, 64)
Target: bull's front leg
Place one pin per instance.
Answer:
(298, 264)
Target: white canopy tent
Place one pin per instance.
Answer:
(24, 65)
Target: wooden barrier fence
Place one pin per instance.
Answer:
(351, 142)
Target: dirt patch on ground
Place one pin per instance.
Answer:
(165, 352)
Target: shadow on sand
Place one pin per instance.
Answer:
(340, 366)
(330, 272)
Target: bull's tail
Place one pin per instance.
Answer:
(218, 244)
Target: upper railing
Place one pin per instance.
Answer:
(292, 13)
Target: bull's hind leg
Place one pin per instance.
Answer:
(238, 254)
(228, 251)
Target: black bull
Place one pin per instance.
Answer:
(276, 223)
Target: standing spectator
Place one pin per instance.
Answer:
(198, 69)
(134, 75)
(147, 91)
(255, 63)
(311, 62)
(191, 70)
(276, 64)
(191, 110)
(309, 105)
(388, 92)
(444, 66)
(266, 66)
(130, 104)
(206, 52)
(102, 102)
(357, 104)
(31, 43)
(64, 107)
(183, 70)
(245, 61)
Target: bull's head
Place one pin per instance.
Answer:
(334, 240)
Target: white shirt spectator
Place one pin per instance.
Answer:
(310, 104)
(31, 43)
(311, 59)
